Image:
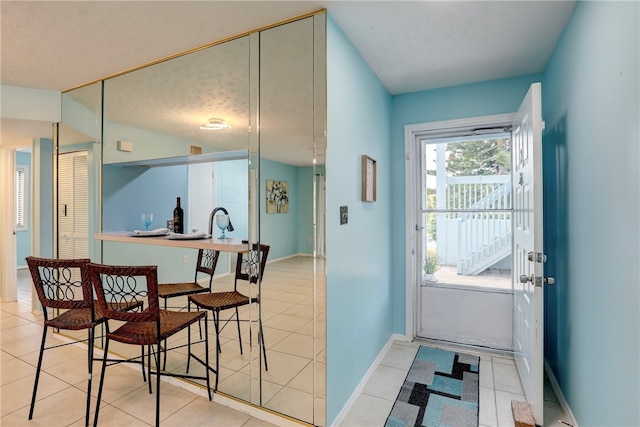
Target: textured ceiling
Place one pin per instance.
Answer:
(410, 45)
(176, 97)
(60, 44)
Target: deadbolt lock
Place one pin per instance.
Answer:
(537, 257)
(537, 280)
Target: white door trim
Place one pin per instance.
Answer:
(8, 268)
(412, 134)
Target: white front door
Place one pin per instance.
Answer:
(528, 266)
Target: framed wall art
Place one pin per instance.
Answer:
(277, 196)
(369, 179)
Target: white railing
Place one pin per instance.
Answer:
(484, 238)
(477, 192)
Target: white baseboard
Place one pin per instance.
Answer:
(358, 390)
(556, 388)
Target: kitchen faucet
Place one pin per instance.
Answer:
(213, 214)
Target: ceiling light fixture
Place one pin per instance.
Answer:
(215, 124)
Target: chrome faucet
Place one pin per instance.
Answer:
(213, 215)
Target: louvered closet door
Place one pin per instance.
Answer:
(73, 206)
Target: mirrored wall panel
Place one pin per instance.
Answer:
(288, 210)
(77, 173)
(236, 128)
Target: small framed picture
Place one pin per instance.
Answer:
(369, 179)
(277, 196)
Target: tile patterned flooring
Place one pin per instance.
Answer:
(63, 385)
(499, 384)
(288, 330)
(287, 312)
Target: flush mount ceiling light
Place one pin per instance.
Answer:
(215, 124)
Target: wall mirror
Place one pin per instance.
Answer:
(290, 175)
(266, 169)
(76, 173)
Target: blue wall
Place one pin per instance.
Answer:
(279, 230)
(472, 100)
(129, 191)
(287, 233)
(590, 105)
(23, 237)
(359, 309)
(592, 197)
(305, 210)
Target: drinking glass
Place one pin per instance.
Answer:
(147, 219)
(222, 221)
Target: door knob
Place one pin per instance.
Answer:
(549, 281)
(524, 278)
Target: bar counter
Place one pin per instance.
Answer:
(222, 245)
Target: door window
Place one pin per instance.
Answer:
(466, 211)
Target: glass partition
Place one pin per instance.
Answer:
(149, 141)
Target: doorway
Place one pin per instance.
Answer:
(15, 162)
(466, 239)
(462, 243)
(518, 310)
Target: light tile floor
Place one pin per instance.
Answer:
(288, 331)
(293, 356)
(61, 392)
(499, 384)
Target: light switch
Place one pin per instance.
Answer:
(344, 215)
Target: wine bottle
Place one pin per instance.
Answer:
(178, 218)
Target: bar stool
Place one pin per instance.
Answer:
(64, 285)
(249, 267)
(149, 327)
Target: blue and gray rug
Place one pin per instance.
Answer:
(441, 389)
